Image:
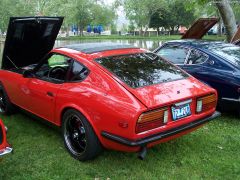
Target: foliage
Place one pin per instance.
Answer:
(79, 12)
(175, 15)
(140, 12)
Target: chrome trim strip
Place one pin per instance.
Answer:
(231, 99)
(7, 150)
(184, 102)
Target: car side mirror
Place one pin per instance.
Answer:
(28, 73)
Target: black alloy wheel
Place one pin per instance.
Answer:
(6, 107)
(79, 137)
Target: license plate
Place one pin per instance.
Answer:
(181, 111)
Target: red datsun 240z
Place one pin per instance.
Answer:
(107, 95)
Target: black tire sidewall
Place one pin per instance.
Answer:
(9, 106)
(93, 145)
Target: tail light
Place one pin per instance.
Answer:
(206, 103)
(152, 119)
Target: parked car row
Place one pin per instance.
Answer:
(106, 95)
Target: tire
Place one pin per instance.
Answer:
(6, 107)
(79, 137)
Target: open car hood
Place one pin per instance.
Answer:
(29, 39)
(200, 28)
(236, 38)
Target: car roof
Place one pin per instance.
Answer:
(90, 48)
(201, 44)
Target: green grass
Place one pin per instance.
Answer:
(211, 152)
(116, 37)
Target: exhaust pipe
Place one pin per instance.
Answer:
(142, 153)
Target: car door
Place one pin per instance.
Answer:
(39, 92)
(174, 53)
(211, 71)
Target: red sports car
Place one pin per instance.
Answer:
(5, 148)
(101, 94)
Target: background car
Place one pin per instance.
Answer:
(5, 148)
(107, 95)
(217, 64)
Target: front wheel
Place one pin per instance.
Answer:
(6, 107)
(79, 136)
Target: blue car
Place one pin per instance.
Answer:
(217, 64)
(214, 63)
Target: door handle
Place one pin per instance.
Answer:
(50, 94)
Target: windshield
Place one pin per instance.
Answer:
(144, 69)
(228, 51)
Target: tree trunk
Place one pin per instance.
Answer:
(228, 18)
(177, 30)
(172, 30)
(140, 31)
(158, 31)
(145, 31)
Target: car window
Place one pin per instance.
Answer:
(54, 67)
(197, 57)
(175, 54)
(58, 60)
(229, 52)
(78, 72)
(141, 69)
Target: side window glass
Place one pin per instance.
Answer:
(175, 54)
(197, 57)
(54, 68)
(78, 72)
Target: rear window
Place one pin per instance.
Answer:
(228, 51)
(143, 69)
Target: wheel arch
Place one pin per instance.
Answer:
(82, 111)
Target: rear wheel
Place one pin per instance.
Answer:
(79, 137)
(6, 107)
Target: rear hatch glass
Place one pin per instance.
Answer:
(141, 69)
(229, 52)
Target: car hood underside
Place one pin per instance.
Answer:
(29, 39)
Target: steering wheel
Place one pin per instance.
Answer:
(57, 72)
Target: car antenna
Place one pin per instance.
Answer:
(12, 62)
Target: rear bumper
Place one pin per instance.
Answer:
(5, 151)
(159, 136)
(230, 104)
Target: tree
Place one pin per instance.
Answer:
(228, 18)
(174, 16)
(140, 12)
(79, 12)
(225, 11)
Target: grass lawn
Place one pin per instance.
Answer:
(160, 38)
(212, 152)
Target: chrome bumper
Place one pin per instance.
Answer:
(5, 151)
